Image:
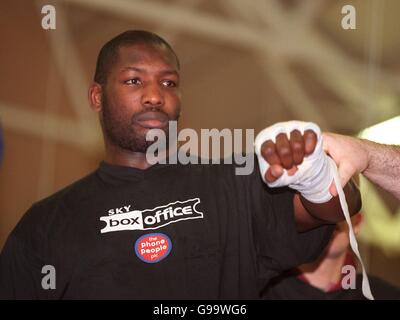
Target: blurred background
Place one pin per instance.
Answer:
(245, 64)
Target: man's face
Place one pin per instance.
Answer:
(142, 93)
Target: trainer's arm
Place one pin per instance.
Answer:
(379, 163)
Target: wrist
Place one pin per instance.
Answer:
(367, 148)
(315, 187)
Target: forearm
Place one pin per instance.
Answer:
(383, 166)
(311, 215)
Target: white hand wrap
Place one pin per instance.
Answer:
(312, 179)
(314, 175)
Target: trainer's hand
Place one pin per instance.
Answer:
(287, 153)
(349, 153)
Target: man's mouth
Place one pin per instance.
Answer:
(151, 120)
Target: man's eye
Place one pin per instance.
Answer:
(134, 81)
(169, 83)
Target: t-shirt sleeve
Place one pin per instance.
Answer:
(278, 244)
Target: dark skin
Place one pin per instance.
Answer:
(145, 78)
(288, 153)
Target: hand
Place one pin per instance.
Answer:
(349, 153)
(287, 153)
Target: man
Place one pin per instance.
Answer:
(134, 231)
(379, 163)
(332, 276)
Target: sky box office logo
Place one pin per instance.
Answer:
(152, 218)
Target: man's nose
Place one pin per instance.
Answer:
(152, 97)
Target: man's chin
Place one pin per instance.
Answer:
(140, 146)
(148, 136)
(134, 140)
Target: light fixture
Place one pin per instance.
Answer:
(387, 132)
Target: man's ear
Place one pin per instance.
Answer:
(357, 221)
(95, 95)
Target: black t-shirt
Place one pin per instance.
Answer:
(218, 236)
(289, 287)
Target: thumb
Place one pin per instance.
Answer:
(325, 142)
(333, 190)
(345, 173)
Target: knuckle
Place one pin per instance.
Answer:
(267, 152)
(295, 132)
(281, 136)
(297, 146)
(284, 151)
(310, 134)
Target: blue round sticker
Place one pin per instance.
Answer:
(153, 247)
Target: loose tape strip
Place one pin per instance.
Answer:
(366, 290)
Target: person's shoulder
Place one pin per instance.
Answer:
(288, 286)
(76, 191)
(381, 289)
(42, 212)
